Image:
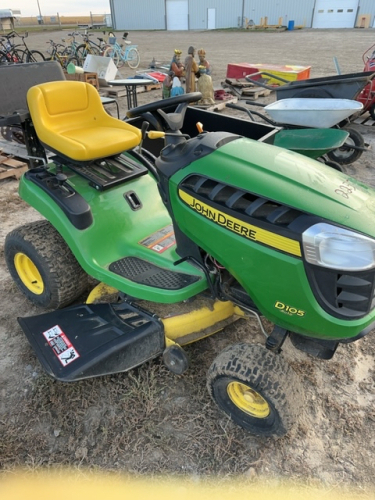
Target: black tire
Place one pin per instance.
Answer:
(3, 58)
(18, 56)
(82, 51)
(42, 265)
(345, 155)
(372, 111)
(261, 380)
(35, 56)
(333, 164)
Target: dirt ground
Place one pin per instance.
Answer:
(151, 422)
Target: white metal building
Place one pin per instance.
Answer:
(216, 14)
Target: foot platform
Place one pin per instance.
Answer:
(86, 341)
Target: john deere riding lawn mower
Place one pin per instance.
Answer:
(232, 227)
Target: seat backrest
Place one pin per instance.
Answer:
(60, 107)
(69, 119)
(16, 79)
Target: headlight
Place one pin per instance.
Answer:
(337, 248)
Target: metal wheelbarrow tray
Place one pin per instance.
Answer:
(346, 86)
(311, 112)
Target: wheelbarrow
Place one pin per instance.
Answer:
(347, 86)
(321, 114)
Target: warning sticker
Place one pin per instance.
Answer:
(161, 240)
(61, 345)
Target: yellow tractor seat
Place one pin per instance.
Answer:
(69, 119)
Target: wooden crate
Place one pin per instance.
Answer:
(84, 77)
(9, 167)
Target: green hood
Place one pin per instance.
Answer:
(292, 179)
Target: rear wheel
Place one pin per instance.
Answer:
(332, 164)
(3, 58)
(133, 58)
(42, 265)
(372, 111)
(256, 388)
(83, 51)
(345, 154)
(111, 52)
(35, 56)
(17, 56)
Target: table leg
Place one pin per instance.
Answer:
(131, 94)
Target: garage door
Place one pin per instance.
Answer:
(177, 15)
(335, 13)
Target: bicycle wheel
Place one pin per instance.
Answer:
(95, 51)
(35, 56)
(3, 58)
(81, 52)
(133, 59)
(111, 52)
(16, 56)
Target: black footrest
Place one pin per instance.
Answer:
(92, 340)
(145, 273)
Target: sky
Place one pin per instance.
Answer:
(52, 7)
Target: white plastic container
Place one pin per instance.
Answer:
(103, 66)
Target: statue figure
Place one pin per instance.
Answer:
(205, 87)
(203, 61)
(167, 85)
(191, 68)
(176, 65)
(177, 88)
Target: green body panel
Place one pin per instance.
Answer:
(276, 281)
(291, 179)
(116, 232)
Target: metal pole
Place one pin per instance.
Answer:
(40, 13)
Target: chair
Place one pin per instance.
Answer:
(70, 120)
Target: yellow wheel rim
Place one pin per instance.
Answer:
(28, 273)
(248, 400)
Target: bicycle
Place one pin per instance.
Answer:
(71, 49)
(120, 56)
(63, 59)
(27, 54)
(9, 54)
(90, 47)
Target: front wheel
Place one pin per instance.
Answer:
(42, 265)
(345, 154)
(113, 54)
(35, 56)
(256, 388)
(133, 58)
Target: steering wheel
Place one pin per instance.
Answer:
(175, 119)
